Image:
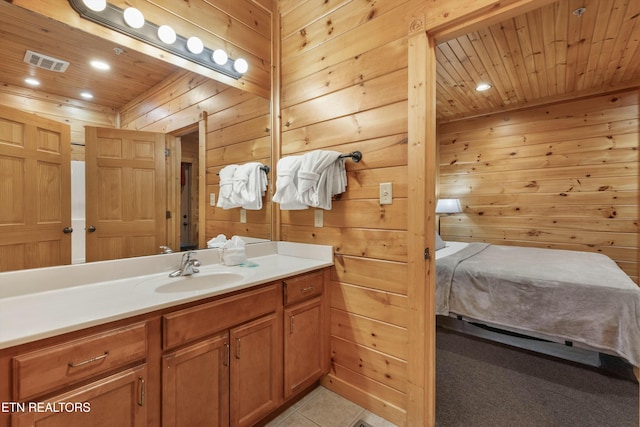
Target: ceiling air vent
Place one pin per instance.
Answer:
(45, 61)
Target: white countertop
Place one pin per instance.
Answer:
(42, 303)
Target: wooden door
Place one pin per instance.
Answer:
(195, 384)
(115, 401)
(303, 345)
(35, 191)
(125, 193)
(255, 370)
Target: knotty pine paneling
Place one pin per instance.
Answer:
(238, 131)
(238, 134)
(344, 88)
(562, 176)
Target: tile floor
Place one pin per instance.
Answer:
(325, 408)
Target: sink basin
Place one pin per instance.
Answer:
(198, 282)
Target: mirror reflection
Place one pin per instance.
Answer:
(200, 124)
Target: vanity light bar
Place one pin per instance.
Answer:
(112, 17)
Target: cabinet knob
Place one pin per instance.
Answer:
(67, 230)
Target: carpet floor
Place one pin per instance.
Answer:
(480, 383)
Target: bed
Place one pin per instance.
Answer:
(580, 298)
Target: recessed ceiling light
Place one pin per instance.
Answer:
(100, 65)
(483, 86)
(86, 95)
(31, 81)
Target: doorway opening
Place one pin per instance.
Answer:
(189, 191)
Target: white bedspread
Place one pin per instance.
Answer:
(576, 296)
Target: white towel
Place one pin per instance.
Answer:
(322, 175)
(286, 183)
(226, 198)
(249, 185)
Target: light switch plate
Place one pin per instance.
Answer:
(386, 193)
(212, 199)
(243, 216)
(318, 218)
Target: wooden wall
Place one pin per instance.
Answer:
(237, 131)
(344, 88)
(560, 176)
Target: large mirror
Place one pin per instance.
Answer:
(46, 71)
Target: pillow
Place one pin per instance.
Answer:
(439, 242)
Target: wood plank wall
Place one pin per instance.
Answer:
(238, 131)
(344, 88)
(559, 176)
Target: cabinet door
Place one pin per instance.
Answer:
(195, 384)
(255, 373)
(115, 401)
(303, 346)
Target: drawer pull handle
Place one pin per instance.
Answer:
(237, 348)
(93, 359)
(227, 355)
(308, 289)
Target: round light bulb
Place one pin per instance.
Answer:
(86, 95)
(166, 34)
(195, 45)
(133, 17)
(483, 86)
(95, 5)
(240, 65)
(220, 57)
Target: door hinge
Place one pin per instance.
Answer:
(427, 255)
(167, 152)
(168, 214)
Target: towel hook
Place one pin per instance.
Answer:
(356, 156)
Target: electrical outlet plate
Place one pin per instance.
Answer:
(212, 199)
(318, 218)
(243, 216)
(386, 193)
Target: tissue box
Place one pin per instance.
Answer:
(233, 256)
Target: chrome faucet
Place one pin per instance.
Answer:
(187, 266)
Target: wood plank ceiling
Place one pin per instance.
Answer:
(131, 73)
(546, 55)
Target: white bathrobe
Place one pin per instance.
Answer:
(249, 185)
(321, 176)
(226, 198)
(286, 183)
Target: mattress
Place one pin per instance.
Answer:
(574, 296)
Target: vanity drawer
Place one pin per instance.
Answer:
(45, 370)
(303, 287)
(200, 321)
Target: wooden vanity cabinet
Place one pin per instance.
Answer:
(227, 369)
(114, 401)
(99, 379)
(195, 384)
(305, 355)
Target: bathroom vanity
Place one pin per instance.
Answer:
(226, 346)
